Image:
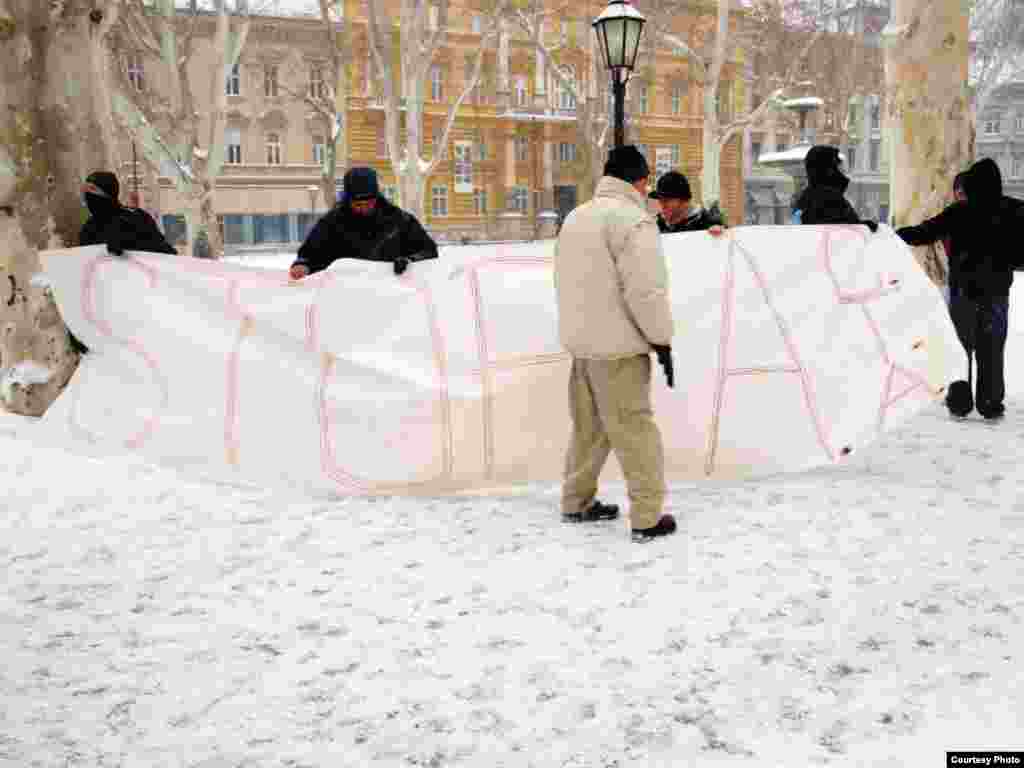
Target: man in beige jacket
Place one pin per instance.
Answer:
(613, 309)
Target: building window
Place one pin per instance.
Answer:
(567, 90)
(480, 202)
(233, 146)
(439, 201)
(520, 90)
(270, 228)
(1020, 123)
(1018, 166)
(478, 25)
(993, 124)
(481, 148)
(677, 100)
(436, 83)
(851, 157)
(522, 145)
(319, 150)
(645, 100)
(677, 156)
(876, 116)
(273, 149)
(136, 75)
(317, 87)
(873, 154)
(463, 167)
(756, 144)
(234, 84)
(270, 81)
(519, 199)
(566, 152)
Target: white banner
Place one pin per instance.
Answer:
(794, 347)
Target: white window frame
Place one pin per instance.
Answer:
(1019, 125)
(233, 86)
(993, 125)
(136, 71)
(566, 152)
(439, 201)
(520, 199)
(522, 148)
(876, 116)
(233, 150)
(319, 149)
(477, 24)
(645, 98)
(851, 157)
(436, 82)
(677, 100)
(273, 145)
(480, 201)
(566, 97)
(463, 167)
(317, 84)
(662, 161)
(521, 91)
(271, 84)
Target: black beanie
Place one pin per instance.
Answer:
(106, 181)
(361, 184)
(627, 163)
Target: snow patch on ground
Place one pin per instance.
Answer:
(23, 374)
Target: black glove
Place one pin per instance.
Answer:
(872, 225)
(401, 264)
(664, 353)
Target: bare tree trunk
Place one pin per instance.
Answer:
(53, 131)
(927, 111)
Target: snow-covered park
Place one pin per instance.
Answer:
(864, 615)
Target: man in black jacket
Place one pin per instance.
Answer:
(673, 196)
(121, 229)
(983, 231)
(822, 202)
(363, 225)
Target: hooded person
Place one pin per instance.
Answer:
(364, 225)
(980, 230)
(823, 201)
(120, 229)
(677, 215)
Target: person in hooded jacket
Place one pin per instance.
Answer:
(119, 228)
(981, 229)
(363, 225)
(822, 202)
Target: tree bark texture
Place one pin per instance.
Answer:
(927, 113)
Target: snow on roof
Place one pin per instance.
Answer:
(803, 101)
(797, 153)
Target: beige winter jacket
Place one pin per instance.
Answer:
(610, 276)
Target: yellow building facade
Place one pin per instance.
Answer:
(513, 165)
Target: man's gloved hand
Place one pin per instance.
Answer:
(664, 353)
(401, 264)
(872, 225)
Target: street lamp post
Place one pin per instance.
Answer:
(618, 33)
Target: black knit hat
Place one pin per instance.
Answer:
(627, 163)
(106, 181)
(672, 184)
(361, 184)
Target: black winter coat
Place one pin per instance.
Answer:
(822, 202)
(123, 229)
(702, 219)
(384, 235)
(985, 234)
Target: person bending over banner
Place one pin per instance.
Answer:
(611, 283)
(673, 196)
(363, 225)
(984, 232)
(822, 202)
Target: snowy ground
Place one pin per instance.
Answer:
(869, 615)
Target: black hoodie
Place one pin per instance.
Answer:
(981, 231)
(121, 229)
(823, 202)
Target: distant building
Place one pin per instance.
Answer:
(1000, 135)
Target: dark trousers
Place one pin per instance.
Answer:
(981, 325)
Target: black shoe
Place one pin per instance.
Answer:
(992, 412)
(959, 400)
(666, 524)
(596, 511)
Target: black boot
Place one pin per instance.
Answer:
(596, 511)
(666, 524)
